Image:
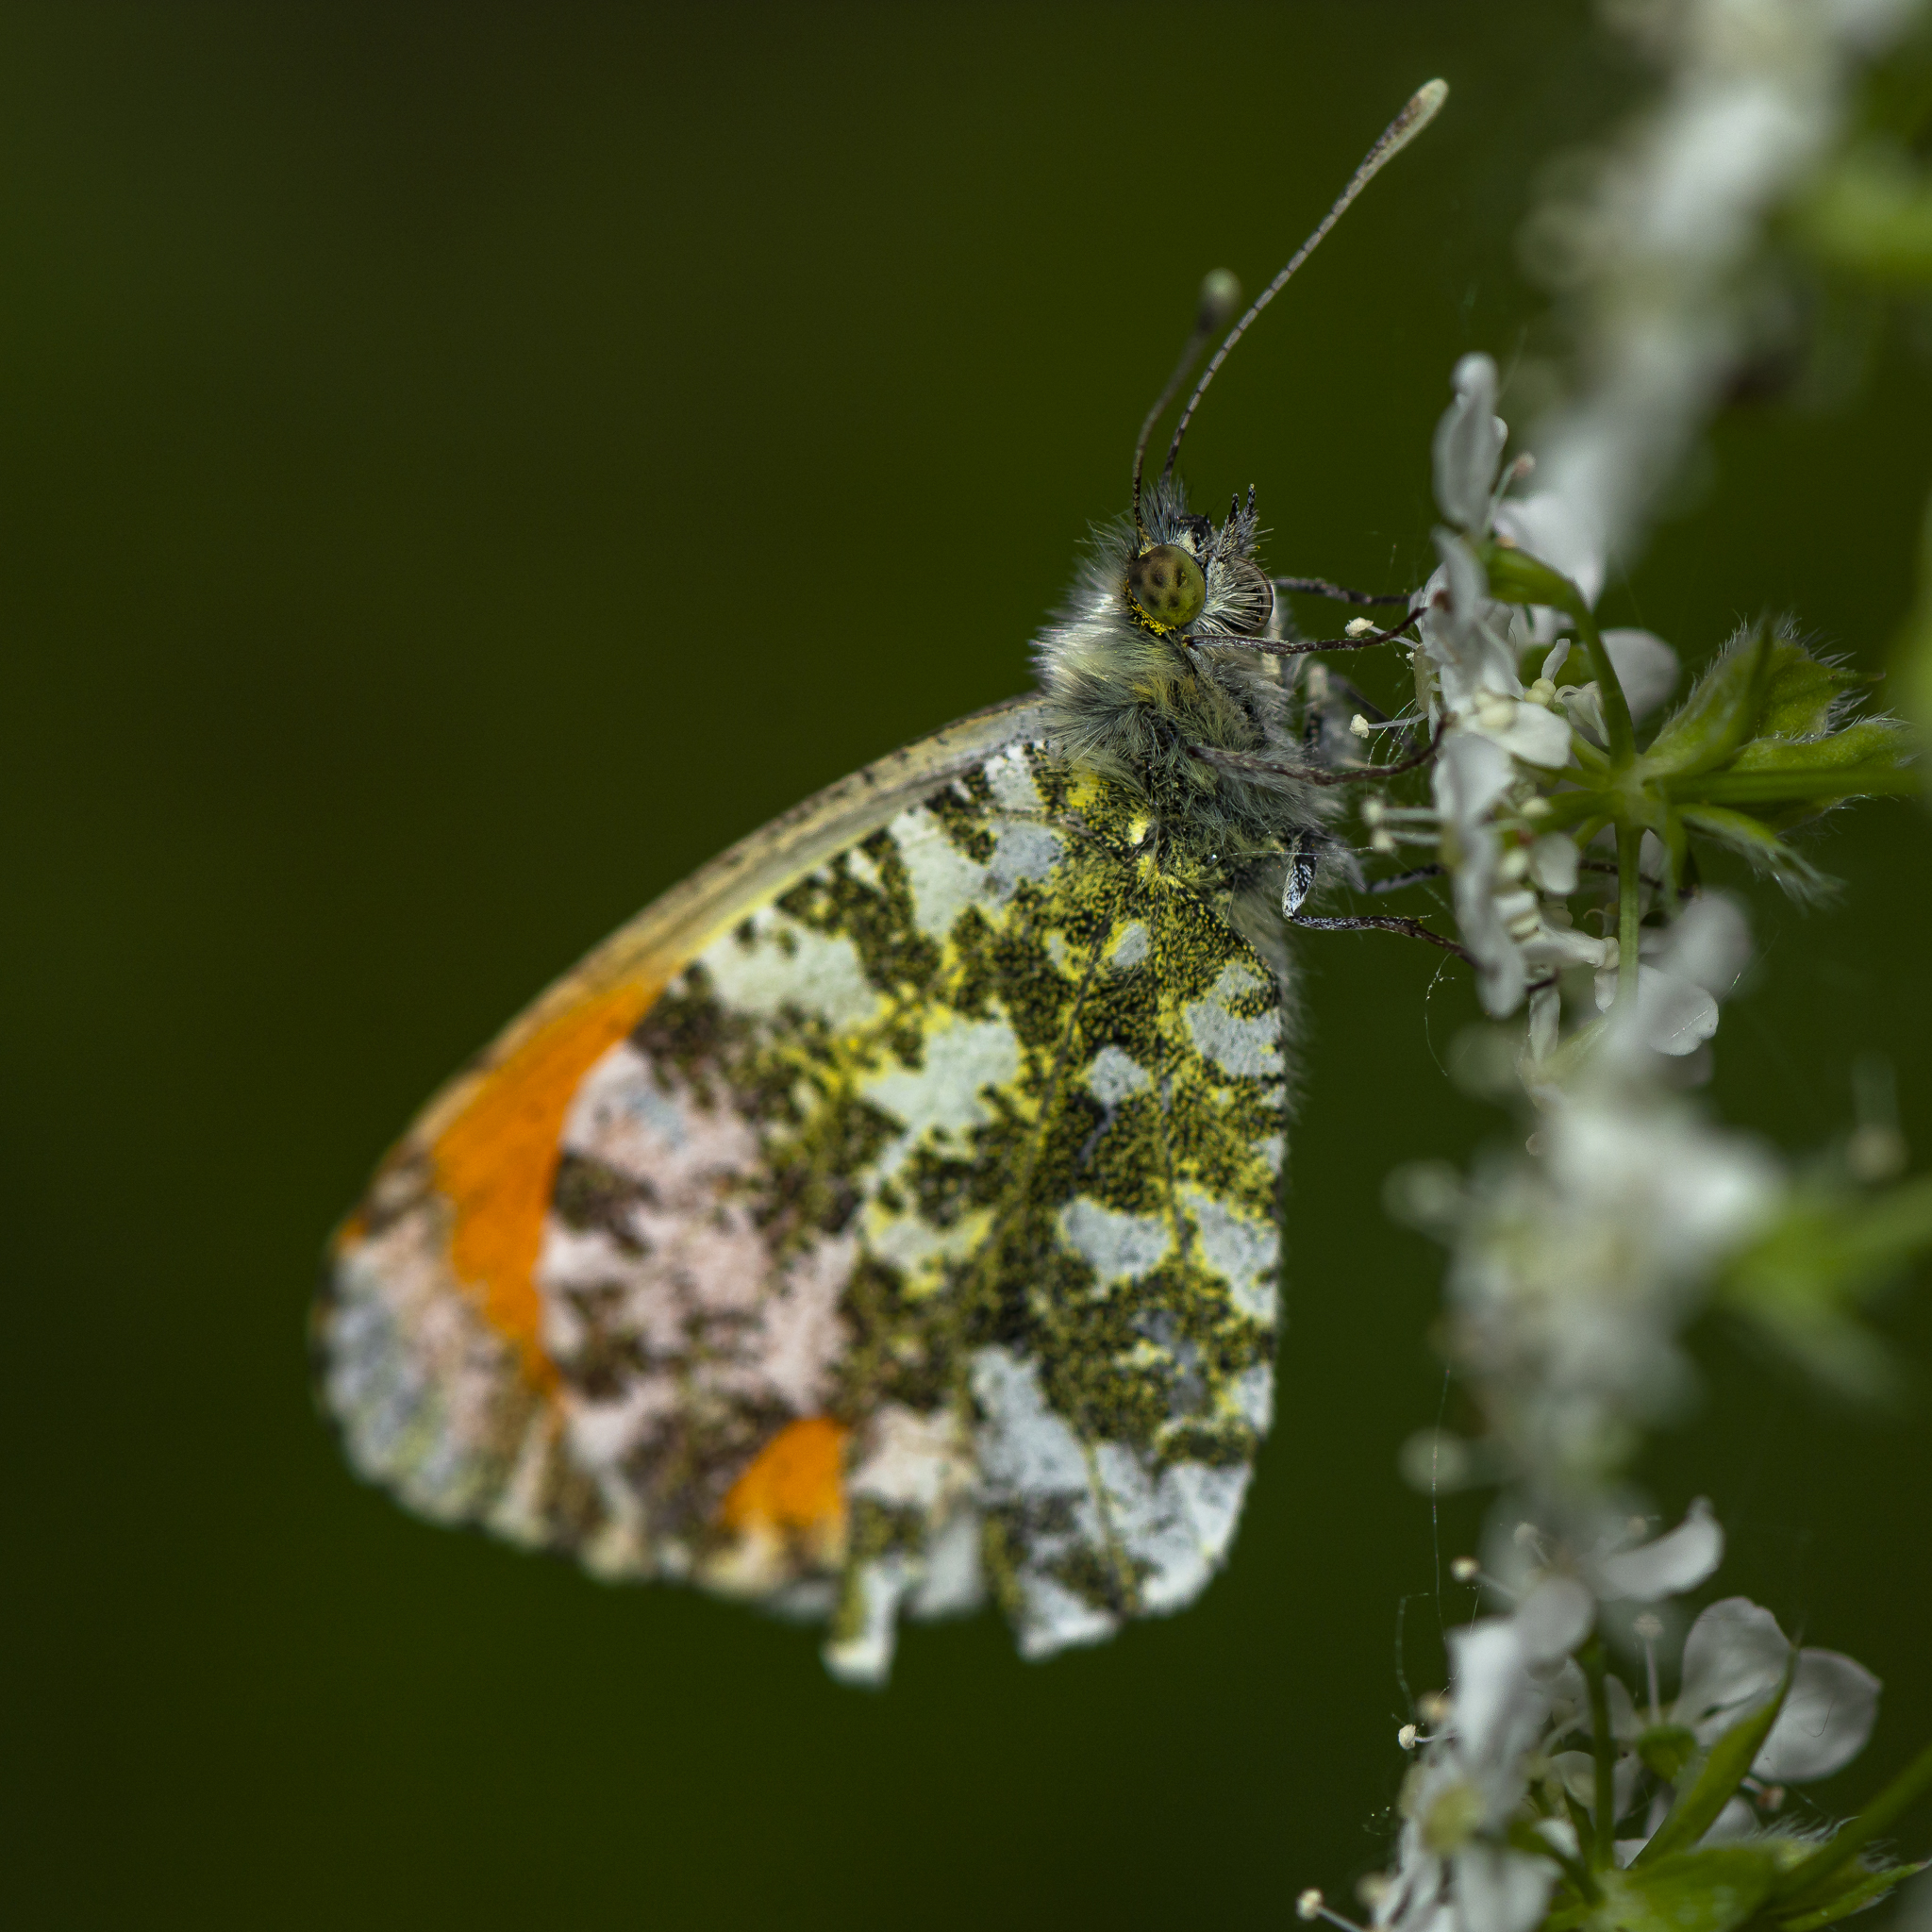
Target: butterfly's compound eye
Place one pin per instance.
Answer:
(1167, 586)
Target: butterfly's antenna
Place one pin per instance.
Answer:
(1421, 110)
(1220, 291)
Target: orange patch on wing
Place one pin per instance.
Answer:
(795, 1482)
(495, 1163)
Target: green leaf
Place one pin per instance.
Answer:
(1806, 1277)
(1799, 692)
(1718, 716)
(1667, 1749)
(1873, 214)
(1865, 1888)
(1695, 1891)
(1830, 1250)
(1767, 853)
(1808, 1884)
(1882, 743)
(1722, 1772)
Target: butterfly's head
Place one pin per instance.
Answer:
(1167, 586)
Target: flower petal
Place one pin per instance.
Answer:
(1674, 1016)
(1553, 862)
(1468, 445)
(1828, 1715)
(1735, 1652)
(1646, 667)
(1500, 1891)
(1471, 774)
(1678, 1560)
(1552, 529)
(1554, 1618)
(1709, 945)
(1498, 1706)
(1735, 1823)
(1536, 735)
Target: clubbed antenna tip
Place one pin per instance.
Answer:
(1422, 108)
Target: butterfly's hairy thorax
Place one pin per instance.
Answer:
(1137, 675)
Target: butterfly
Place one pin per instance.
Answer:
(886, 1220)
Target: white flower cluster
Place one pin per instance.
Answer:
(1574, 1271)
(1545, 1784)
(1654, 257)
(1491, 1807)
(1505, 745)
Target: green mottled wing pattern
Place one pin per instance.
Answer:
(954, 1160)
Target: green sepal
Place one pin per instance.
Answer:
(1815, 787)
(1666, 1749)
(1719, 717)
(1808, 1884)
(1882, 743)
(1758, 843)
(1517, 577)
(1868, 1888)
(1723, 1770)
(1694, 1891)
(1799, 692)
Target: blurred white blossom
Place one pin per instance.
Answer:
(1653, 257)
(1734, 1658)
(1573, 1272)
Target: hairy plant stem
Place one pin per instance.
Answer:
(1603, 1751)
(1629, 908)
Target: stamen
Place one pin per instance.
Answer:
(1310, 1905)
(1650, 1628)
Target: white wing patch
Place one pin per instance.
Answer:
(921, 1158)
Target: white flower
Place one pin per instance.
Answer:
(1655, 256)
(1549, 527)
(1734, 1658)
(1466, 637)
(1574, 1272)
(1646, 667)
(1452, 1870)
(1687, 969)
(1668, 1565)
(1471, 774)
(1468, 445)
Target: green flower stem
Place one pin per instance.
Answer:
(1517, 577)
(1777, 787)
(1615, 706)
(1629, 908)
(1568, 809)
(1602, 1747)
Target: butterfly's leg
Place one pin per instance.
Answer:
(1246, 761)
(1363, 641)
(1298, 881)
(1320, 587)
(1406, 878)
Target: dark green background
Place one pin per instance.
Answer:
(464, 467)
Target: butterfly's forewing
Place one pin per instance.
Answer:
(885, 1219)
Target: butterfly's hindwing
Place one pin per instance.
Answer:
(917, 1242)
